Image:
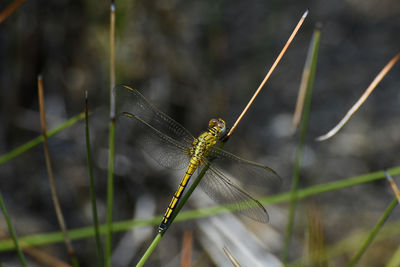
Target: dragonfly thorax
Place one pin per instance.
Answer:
(203, 144)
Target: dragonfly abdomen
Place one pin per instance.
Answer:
(194, 163)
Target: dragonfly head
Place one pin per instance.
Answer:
(217, 125)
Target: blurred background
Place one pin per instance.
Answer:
(196, 60)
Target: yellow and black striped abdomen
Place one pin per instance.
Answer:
(194, 163)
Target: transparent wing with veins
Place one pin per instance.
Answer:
(164, 139)
(223, 190)
(246, 171)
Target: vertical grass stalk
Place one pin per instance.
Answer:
(311, 63)
(12, 232)
(100, 255)
(54, 195)
(110, 193)
(111, 140)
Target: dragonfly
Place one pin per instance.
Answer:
(172, 146)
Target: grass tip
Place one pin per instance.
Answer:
(321, 138)
(112, 6)
(127, 114)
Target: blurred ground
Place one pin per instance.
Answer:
(196, 60)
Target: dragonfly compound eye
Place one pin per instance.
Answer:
(221, 125)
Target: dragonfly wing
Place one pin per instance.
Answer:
(221, 189)
(164, 139)
(131, 101)
(162, 148)
(246, 171)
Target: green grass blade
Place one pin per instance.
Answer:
(110, 192)
(373, 233)
(310, 67)
(150, 250)
(100, 255)
(86, 232)
(12, 232)
(34, 142)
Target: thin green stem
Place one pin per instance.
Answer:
(12, 232)
(150, 250)
(100, 255)
(373, 233)
(34, 142)
(110, 192)
(311, 64)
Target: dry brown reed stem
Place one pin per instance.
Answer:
(54, 195)
(360, 101)
(316, 238)
(232, 259)
(393, 185)
(45, 258)
(303, 86)
(10, 9)
(269, 72)
(112, 60)
(187, 249)
(301, 96)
